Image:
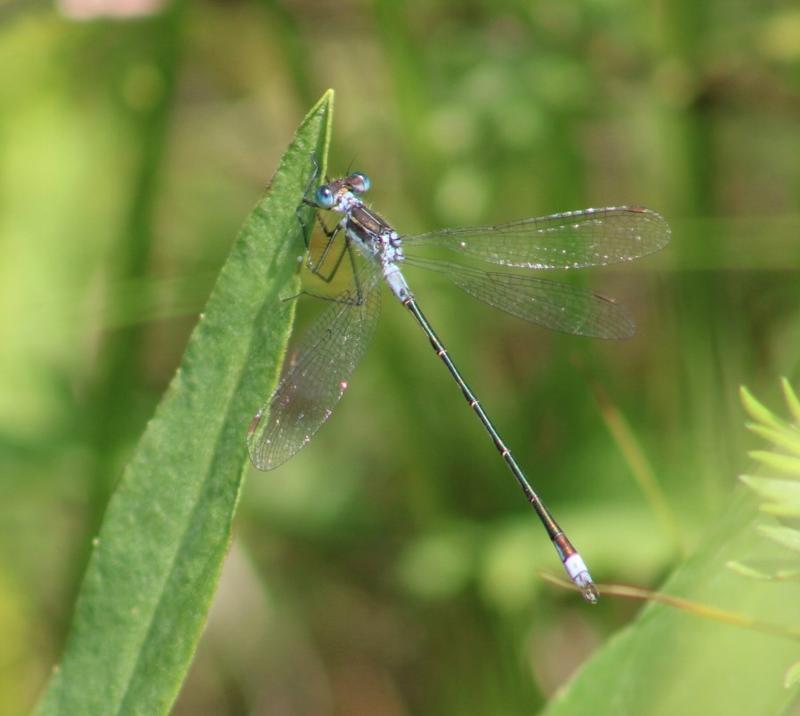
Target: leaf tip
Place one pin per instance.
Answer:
(791, 398)
(324, 103)
(757, 410)
(792, 677)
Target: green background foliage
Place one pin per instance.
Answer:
(392, 566)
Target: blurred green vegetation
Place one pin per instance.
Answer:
(392, 566)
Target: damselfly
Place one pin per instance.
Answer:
(315, 380)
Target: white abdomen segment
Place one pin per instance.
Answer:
(397, 282)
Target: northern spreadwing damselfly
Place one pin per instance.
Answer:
(317, 377)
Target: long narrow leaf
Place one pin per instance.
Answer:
(158, 556)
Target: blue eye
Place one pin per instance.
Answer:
(324, 197)
(358, 182)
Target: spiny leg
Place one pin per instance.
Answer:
(316, 266)
(356, 300)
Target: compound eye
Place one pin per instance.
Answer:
(358, 182)
(324, 197)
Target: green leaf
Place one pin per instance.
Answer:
(157, 559)
(746, 570)
(791, 399)
(792, 676)
(784, 494)
(753, 572)
(776, 461)
(757, 411)
(785, 536)
(786, 438)
(671, 662)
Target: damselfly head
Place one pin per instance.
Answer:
(358, 182)
(339, 194)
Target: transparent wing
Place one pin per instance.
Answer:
(550, 304)
(574, 239)
(316, 375)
